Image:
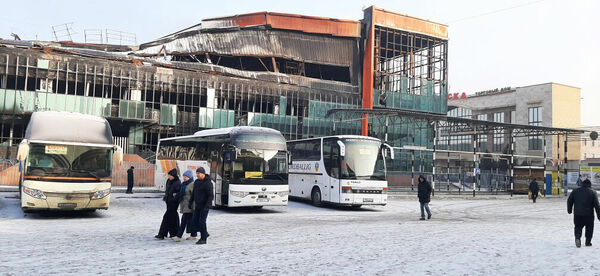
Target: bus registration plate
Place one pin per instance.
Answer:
(367, 200)
(262, 200)
(67, 205)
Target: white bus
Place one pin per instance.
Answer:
(248, 165)
(344, 170)
(66, 162)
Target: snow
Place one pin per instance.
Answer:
(474, 237)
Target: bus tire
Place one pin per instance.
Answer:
(315, 197)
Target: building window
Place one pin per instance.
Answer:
(535, 119)
(513, 117)
(482, 117)
(498, 134)
(482, 143)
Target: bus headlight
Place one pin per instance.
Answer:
(283, 194)
(34, 193)
(239, 194)
(101, 194)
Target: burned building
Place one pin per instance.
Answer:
(276, 70)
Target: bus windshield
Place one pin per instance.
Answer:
(363, 160)
(253, 164)
(69, 161)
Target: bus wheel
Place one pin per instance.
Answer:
(316, 197)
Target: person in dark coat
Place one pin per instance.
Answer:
(130, 180)
(185, 194)
(200, 202)
(585, 200)
(424, 194)
(534, 189)
(170, 221)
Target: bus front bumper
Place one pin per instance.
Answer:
(64, 202)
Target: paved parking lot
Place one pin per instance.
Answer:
(464, 237)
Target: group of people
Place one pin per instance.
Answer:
(193, 198)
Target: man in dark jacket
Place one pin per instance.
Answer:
(200, 202)
(130, 180)
(585, 201)
(170, 221)
(534, 189)
(424, 194)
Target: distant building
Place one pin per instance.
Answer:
(548, 104)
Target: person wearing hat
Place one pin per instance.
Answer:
(424, 194)
(185, 194)
(170, 221)
(200, 202)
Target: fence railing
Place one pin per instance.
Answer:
(9, 172)
(143, 173)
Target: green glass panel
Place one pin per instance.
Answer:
(51, 101)
(131, 110)
(140, 113)
(202, 117)
(105, 107)
(70, 103)
(209, 117)
(231, 119)
(217, 118)
(224, 118)
(123, 106)
(41, 101)
(404, 85)
(282, 105)
(61, 101)
(9, 101)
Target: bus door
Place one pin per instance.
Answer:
(229, 154)
(332, 162)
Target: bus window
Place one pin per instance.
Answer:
(331, 157)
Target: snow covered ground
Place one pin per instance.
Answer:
(465, 237)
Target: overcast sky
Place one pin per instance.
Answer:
(493, 44)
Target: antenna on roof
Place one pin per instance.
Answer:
(63, 32)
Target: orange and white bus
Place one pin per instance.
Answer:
(66, 162)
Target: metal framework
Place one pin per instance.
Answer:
(460, 126)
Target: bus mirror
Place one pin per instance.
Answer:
(23, 152)
(388, 151)
(289, 158)
(119, 155)
(342, 148)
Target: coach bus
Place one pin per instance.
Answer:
(248, 165)
(343, 170)
(66, 162)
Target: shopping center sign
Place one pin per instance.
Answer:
(456, 96)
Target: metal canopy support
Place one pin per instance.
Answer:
(558, 185)
(544, 177)
(566, 167)
(512, 163)
(435, 142)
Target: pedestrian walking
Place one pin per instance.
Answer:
(130, 180)
(170, 221)
(534, 189)
(185, 194)
(424, 193)
(200, 202)
(585, 200)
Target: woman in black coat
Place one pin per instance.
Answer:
(170, 221)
